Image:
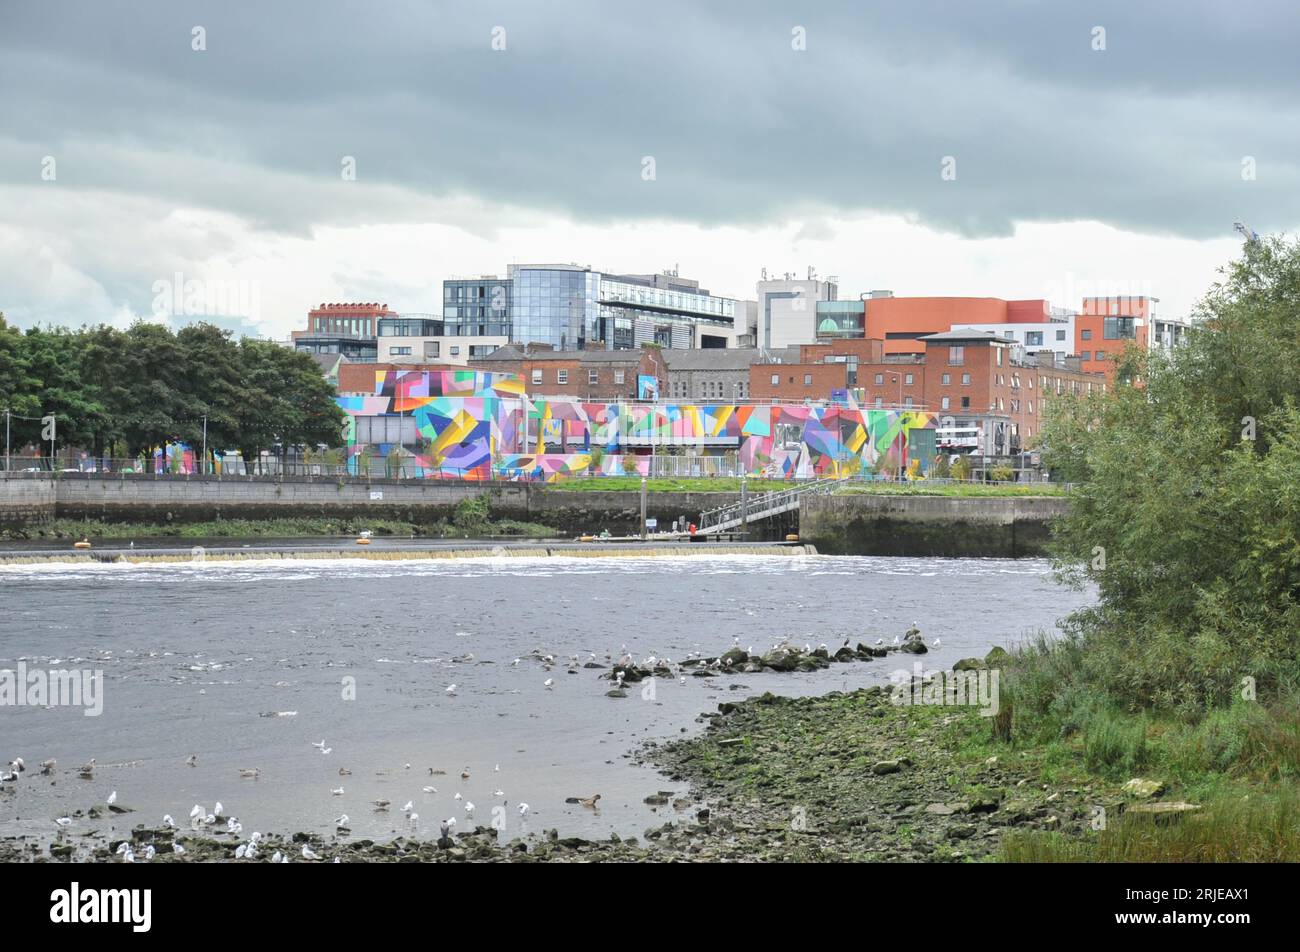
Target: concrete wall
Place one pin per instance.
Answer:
(1007, 527)
(25, 500)
(180, 499)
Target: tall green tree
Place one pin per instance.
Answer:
(1186, 520)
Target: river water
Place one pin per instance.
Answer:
(359, 654)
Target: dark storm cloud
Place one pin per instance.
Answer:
(1149, 134)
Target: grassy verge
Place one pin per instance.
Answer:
(272, 529)
(925, 488)
(1237, 766)
(727, 485)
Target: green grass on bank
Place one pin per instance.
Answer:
(926, 488)
(1240, 764)
(73, 529)
(730, 485)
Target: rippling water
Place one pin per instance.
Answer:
(195, 654)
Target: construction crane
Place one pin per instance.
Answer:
(1245, 230)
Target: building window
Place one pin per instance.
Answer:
(880, 401)
(561, 376)
(999, 356)
(1085, 355)
(619, 376)
(455, 350)
(965, 403)
(956, 356)
(880, 379)
(946, 379)
(807, 380)
(399, 351)
(1060, 335)
(965, 379)
(776, 380)
(1033, 338)
(1119, 328)
(943, 404)
(537, 376)
(907, 379)
(593, 378)
(1085, 335)
(907, 402)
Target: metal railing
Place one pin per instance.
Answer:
(737, 515)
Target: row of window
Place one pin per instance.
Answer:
(562, 376)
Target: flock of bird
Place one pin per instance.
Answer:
(200, 818)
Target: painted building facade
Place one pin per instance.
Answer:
(479, 425)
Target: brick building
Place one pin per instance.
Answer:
(359, 378)
(987, 393)
(716, 374)
(592, 375)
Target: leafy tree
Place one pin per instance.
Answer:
(1186, 520)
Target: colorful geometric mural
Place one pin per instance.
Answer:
(467, 424)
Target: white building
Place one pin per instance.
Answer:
(787, 308)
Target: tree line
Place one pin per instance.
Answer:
(119, 393)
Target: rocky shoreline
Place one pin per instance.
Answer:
(841, 777)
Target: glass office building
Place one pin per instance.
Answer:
(477, 307)
(571, 307)
(556, 305)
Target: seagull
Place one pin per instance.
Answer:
(879, 642)
(64, 821)
(17, 765)
(87, 769)
(150, 852)
(382, 804)
(197, 813)
(344, 772)
(326, 750)
(278, 857)
(218, 809)
(192, 760)
(413, 817)
(469, 807)
(548, 682)
(590, 801)
(112, 798)
(936, 642)
(458, 797)
(250, 772)
(337, 791)
(410, 805)
(451, 689)
(498, 793)
(341, 821)
(47, 766)
(464, 774)
(168, 821)
(320, 746)
(178, 849)
(309, 853)
(523, 808)
(430, 790)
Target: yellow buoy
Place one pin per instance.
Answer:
(83, 544)
(363, 541)
(792, 537)
(587, 538)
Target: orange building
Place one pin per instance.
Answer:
(1106, 326)
(901, 322)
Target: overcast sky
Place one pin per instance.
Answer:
(1096, 147)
